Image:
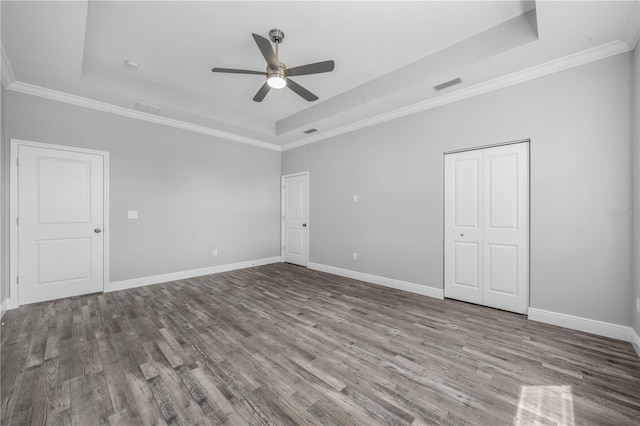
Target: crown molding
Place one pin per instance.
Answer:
(68, 98)
(6, 72)
(581, 58)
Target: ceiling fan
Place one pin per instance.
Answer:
(277, 73)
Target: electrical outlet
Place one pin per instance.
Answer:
(132, 214)
(355, 256)
(215, 252)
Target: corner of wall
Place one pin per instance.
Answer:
(635, 135)
(635, 341)
(4, 307)
(4, 280)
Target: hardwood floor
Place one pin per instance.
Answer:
(280, 344)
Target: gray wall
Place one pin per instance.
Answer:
(579, 123)
(193, 192)
(636, 186)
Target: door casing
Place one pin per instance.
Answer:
(14, 300)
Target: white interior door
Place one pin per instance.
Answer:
(463, 226)
(506, 227)
(487, 226)
(60, 221)
(295, 219)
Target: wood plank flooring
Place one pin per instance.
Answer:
(280, 344)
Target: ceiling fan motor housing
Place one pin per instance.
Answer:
(280, 72)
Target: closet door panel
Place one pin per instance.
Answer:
(463, 226)
(505, 231)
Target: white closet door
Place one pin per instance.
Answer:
(463, 226)
(487, 227)
(506, 227)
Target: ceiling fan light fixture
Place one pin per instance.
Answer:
(276, 79)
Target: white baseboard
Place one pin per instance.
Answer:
(181, 275)
(601, 328)
(424, 290)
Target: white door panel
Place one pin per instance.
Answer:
(502, 269)
(506, 233)
(295, 196)
(295, 242)
(63, 259)
(501, 181)
(466, 181)
(463, 233)
(64, 190)
(466, 264)
(295, 218)
(487, 226)
(60, 204)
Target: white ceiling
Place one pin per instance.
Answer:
(388, 54)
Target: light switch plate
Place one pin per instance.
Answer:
(132, 214)
(355, 198)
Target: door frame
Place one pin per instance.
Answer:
(13, 211)
(444, 176)
(282, 179)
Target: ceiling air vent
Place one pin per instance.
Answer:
(446, 84)
(151, 109)
(310, 131)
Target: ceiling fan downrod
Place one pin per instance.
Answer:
(276, 35)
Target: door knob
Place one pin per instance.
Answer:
(462, 235)
(97, 230)
(304, 225)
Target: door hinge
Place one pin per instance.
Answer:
(17, 280)
(17, 162)
(282, 186)
(282, 217)
(282, 248)
(17, 221)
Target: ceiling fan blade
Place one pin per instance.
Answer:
(262, 93)
(317, 68)
(234, 71)
(307, 95)
(267, 51)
